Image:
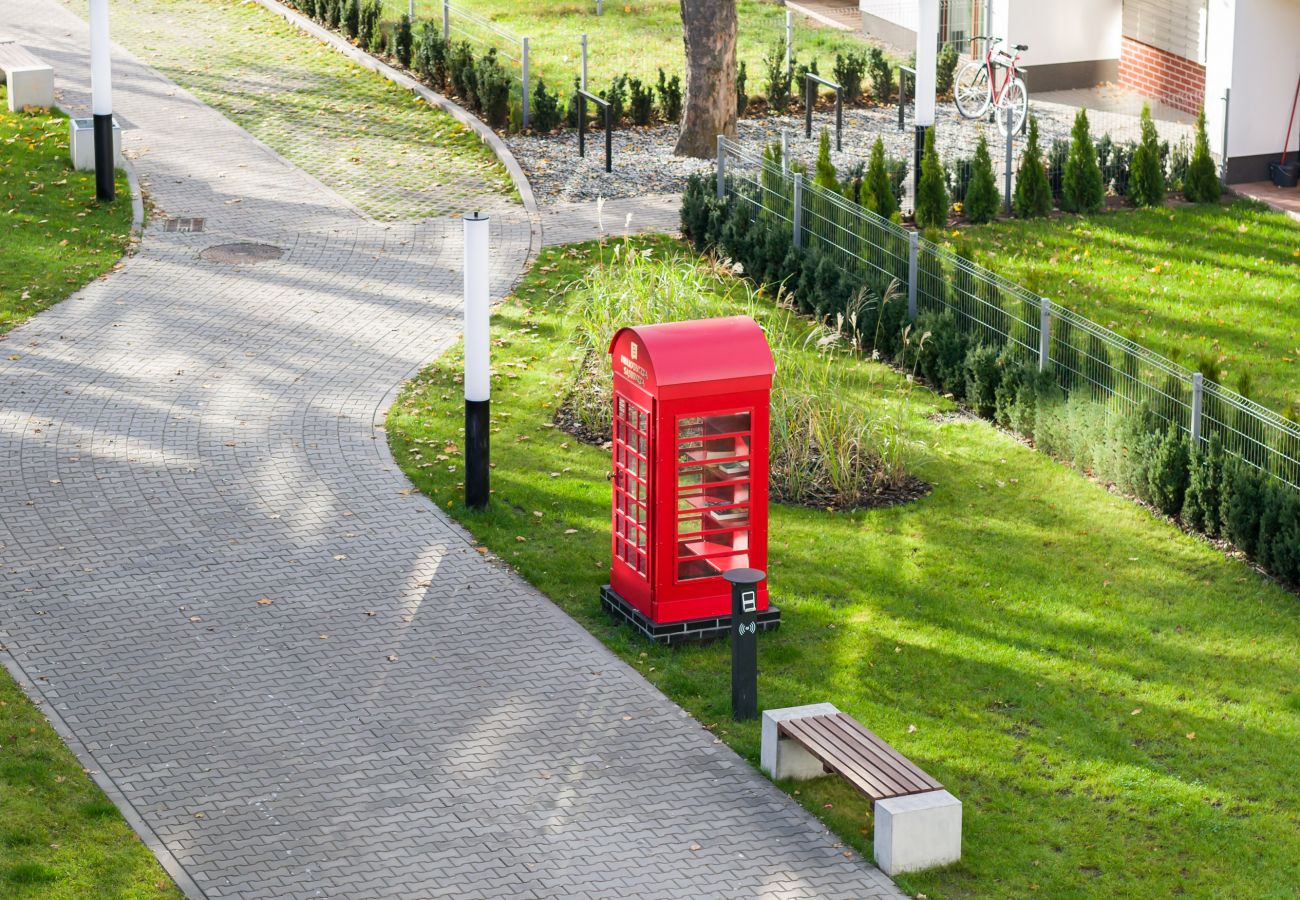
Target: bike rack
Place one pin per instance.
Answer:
(810, 97)
(583, 97)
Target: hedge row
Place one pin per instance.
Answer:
(1142, 451)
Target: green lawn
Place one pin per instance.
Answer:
(59, 836)
(54, 235)
(1188, 282)
(1116, 703)
(636, 37)
(377, 144)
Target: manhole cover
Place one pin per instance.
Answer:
(242, 253)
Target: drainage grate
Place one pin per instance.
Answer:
(190, 225)
(242, 252)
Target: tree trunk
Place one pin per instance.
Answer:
(709, 31)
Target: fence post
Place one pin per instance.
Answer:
(1007, 175)
(609, 137)
(410, 10)
(798, 210)
(582, 125)
(524, 65)
(902, 96)
(584, 60)
(808, 93)
(789, 42)
(1044, 333)
(1198, 398)
(722, 168)
(839, 118)
(913, 272)
(446, 20)
(1227, 99)
(600, 7)
(785, 150)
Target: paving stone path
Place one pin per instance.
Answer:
(296, 676)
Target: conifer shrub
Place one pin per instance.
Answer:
(1202, 182)
(848, 72)
(1033, 195)
(1146, 183)
(982, 197)
(368, 32)
(402, 41)
(669, 91)
(1082, 190)
(825, 174)
(641, 101)
(931, 196)
(546, 115)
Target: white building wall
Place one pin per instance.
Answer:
(1252, 47)
(1063, 32)
(1264, 70)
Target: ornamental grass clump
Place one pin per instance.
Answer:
(827, 448)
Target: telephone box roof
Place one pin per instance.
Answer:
(702, 351)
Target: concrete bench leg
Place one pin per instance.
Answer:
(782, 757)
(917, 832)
(31, 87)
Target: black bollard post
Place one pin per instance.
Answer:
(744, 641)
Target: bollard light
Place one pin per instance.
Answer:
(477, 380)
(101, 99)
(744, 641)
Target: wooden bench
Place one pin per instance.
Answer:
(917, 822)
(31, 82)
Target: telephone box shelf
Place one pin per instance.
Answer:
(670, 633)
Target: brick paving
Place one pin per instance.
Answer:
(186, 438)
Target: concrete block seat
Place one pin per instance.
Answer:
(917, 822)
(31, 81)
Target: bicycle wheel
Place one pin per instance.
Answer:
(970, 89)
(1013, 108)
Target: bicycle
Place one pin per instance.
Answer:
(975, 86)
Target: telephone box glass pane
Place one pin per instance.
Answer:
(631, 469)
(713, 516)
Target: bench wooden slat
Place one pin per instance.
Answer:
(902, 772)
(845, 747)
(926, 781)
(863, 778)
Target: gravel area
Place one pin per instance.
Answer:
(644, 162)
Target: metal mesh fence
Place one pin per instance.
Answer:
(1085, 358)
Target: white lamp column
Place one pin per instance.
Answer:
(927, 49)
(477, 380)
(101, 99)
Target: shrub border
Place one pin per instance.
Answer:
(401, 79)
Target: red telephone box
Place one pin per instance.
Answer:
(690, 470)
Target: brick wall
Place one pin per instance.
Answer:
(1161, 75)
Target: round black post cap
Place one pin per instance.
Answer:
(744, 576)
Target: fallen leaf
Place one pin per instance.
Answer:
(1136, 711)
(265, 601)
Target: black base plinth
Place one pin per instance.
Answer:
(679, 632)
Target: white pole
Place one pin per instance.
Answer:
(101, 99)
(789, 42)
(584, 60)
(927, 41)
(477, 380)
